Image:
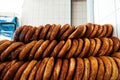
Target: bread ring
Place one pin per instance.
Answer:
(34, 49)
(85, 48)
(2, 66)
(86, 69)
(71, 69)
(116, 44)
(63, 29)
(20, 71)
(41, 49)
(101, 69)
(108, 68)
(28, 69)
(50, 48)
(76, 33)
(12, 71)
(105, 47)
(92, 47)
(93, 68)
(98, 45)
(48, 69)
(90, 28)
(56, 71)
(84, 29)
(65, 48)
(34, 71)
(79, 49)
(103, 32)
(44, 31)
(116, 54)
(115, 73)
(2, 41)
(110, 50)
(67, 33)
(100, 30)
(50, 31)
(7, 52)
(79, 69)
(64, 69)
(110, 30)
(40, 71)
(73, 49)
(57, 48)
(55, 32)
(26, 50)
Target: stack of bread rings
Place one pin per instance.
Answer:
(54, 52)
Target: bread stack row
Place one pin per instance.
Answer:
(28, 33)
(91, 68)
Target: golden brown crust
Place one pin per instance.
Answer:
(56, 71)
(67, 33)
(2, 65)
(9, 49)
(104, 31)
(26, 50)
(108, 67)
(86, 69)
(28, 69)
(55, 31)
(50, 31)
(84, 29)
(100, 30)
(110, 30)
(80, 46)
(79, 69)
(110, 50)
(85, 48)
(44, 31)
(65, 48)
(105, 47)
(116, 54)
(64, 69)
(90, 28)
(101, 69)
(49, 49)
(41, 49)
(71, 69)
(12, 71)
(57, 48)
(73, 49)
(40, 71)
(48, 69)
(2, 41)
(20, 71)
(93, 68)
(34, 49)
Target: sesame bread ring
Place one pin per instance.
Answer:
(73, 49)
(103, 32)
(2, 41)
(110, 30)
(34, 49)
(110, 50)
(98, 45)
(28, 69)
(65, 48)
(108, 67)
(26, 50)
(80, 47)
(86, 69)
(116, 54)
(50, 31)
(86, 48)
(20, 71)
(34, 71)
(116, 44)
(79, 69)
(57, 69)
(40, 71)
(50, 48)
(41, 49)
(44, 31)
(105, 47)
(93, 68)
(67, 33)
(90, 28)
(48, 69)
(84, 29)
(101, 69)
(12, 71)
(100, 30)
(115, 73)
(71, 69)
(9, 49)
(63, 29)
(57, 48)
(55, 32)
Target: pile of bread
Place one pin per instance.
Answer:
(55, 52)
